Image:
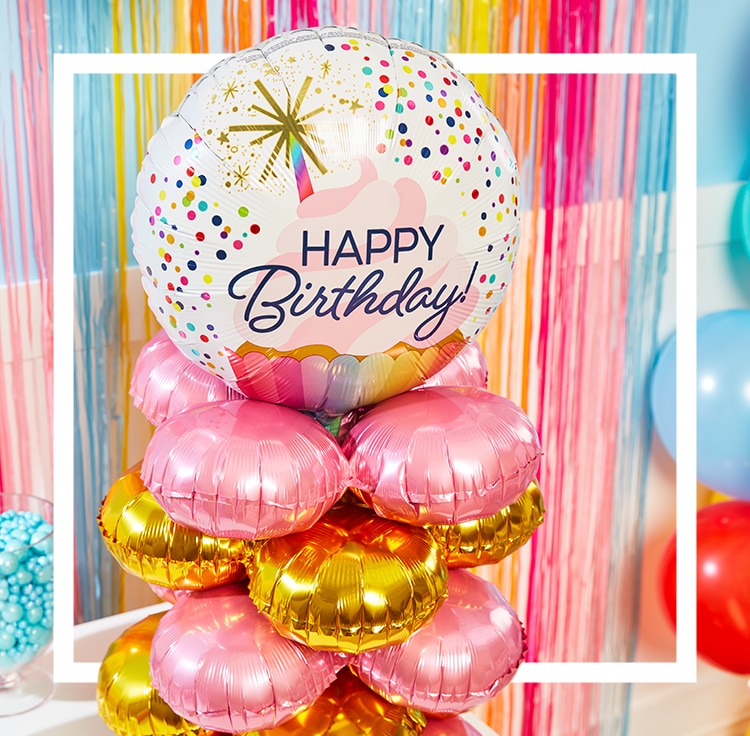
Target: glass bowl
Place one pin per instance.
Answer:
(26, 571)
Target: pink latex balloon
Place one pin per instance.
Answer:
(468, 368)
(442, 455)
(219, 663)
(470, 651)
(455, 726)
(165, 382)
(244, 469)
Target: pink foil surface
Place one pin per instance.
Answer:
(442, 455)
(468, 368)
(449, 727)
(465, 656)
(165, 382)
(244, 469)
(219, 663)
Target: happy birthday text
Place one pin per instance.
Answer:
(275, 292)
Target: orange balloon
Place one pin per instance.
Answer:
(353, 582)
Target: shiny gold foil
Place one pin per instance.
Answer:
(486, 541)
(128, 704)
(352, 582)
(349, 708)
(147, 543)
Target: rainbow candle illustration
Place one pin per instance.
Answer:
(293, 136)
(301, 174)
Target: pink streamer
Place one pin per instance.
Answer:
(30, 119)
(271, 24)
(313, 19)
(575, 386)
(295, 12)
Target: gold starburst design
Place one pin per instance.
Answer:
(355, 105)
(286, 124)
(240, 174)
(229, 91)
(326, 67)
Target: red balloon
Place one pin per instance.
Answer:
(723, 585)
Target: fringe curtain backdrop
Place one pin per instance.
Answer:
(573, 342)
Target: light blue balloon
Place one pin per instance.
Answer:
(743, 208)
(723, 401)
(664, 395)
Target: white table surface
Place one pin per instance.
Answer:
(72, 709)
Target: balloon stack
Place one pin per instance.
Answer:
(323, 228)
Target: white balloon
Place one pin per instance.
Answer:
(327, 219)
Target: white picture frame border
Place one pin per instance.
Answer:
(682, 66)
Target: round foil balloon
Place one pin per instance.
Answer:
(349, 708)
(327, 218)
(455, 726)
(351, 583)
(165, 382)
(147, 543)
(168, 595)
(470, 650)
(127, 702)
(442, 455)
(468, 368)
(220, 663)
(244, 469)
(488, 540)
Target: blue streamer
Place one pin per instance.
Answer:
(14, 158)
(665, 32)
(79, 27)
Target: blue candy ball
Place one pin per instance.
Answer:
(17, 547)
(7, 640)
(43, 574)
(8, 563)
(21, 534)
(11, 612)
(38, 636)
